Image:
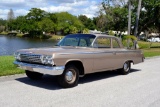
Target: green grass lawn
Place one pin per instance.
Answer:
(145, 45)
(154, 49)
(3, 33)
(7, 67)
(151, 52)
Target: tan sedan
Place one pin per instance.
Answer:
(76, 55)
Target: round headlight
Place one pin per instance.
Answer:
(46, 59)
(50, 61)
(43, 59)
(17, 56)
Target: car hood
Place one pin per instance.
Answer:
(60, 50)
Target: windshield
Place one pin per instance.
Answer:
(81, 40)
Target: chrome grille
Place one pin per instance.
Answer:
(32, 58)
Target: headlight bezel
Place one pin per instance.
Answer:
(17, 56)
(47, 59)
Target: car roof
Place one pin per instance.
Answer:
(89, 35)
(105, 35)
(80, 35)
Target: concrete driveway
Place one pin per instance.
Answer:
(140, 88)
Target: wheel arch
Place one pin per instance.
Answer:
(78, 64)
(130, 61)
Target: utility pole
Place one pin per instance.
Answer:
(129, 17)
(137, 18)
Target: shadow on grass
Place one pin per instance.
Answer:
(155, 46)
(50, 82)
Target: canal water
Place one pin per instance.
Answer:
(9, 44)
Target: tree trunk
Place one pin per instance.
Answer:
(129, 17)
(137, 17)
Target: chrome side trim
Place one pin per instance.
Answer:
(101, 52)
(56, 70)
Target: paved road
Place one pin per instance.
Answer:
(141, 88)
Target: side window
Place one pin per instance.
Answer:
(90, 41)
(71, 42)
(103, 42)
(115, 43)
(82, 43)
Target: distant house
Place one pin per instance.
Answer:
(153, 34)
(95, 32)
(119, 32)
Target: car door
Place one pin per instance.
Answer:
(103, 56)
(118, 54)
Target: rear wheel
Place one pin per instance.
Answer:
(33, 75)
(70, 77)
(126, 68)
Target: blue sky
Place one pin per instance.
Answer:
(75, 7)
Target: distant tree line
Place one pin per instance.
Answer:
(38, 21)
(112, 15)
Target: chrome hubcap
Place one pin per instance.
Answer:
(125, 66)
(69, 76)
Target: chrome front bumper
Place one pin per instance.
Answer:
(56, 70)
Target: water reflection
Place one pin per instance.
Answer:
(9, 44)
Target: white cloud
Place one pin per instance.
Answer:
(36, 3)
(12, 3)
(3, 13)
(20, 12)
(91, 10)
(63, 1)
(76, 3)
(75, 7)
(56, 8)
(85, 7)
(89, 15)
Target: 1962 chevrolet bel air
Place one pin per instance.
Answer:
(76, 55)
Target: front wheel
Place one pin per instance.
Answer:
(70, 77)
(126, 68)
(33, 75)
